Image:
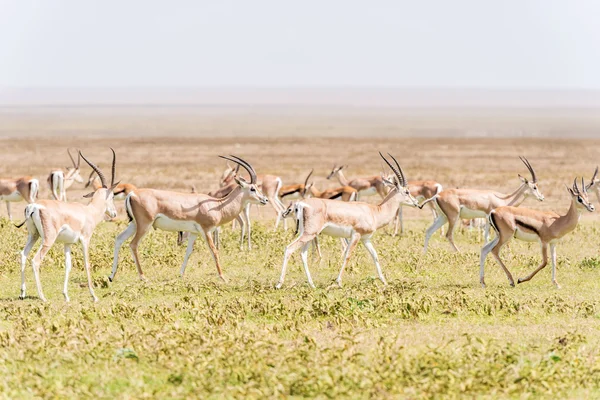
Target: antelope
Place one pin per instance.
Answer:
(198, 214)
(68, 223)
(243, 218)
(420, 190)
(454, 204)
(270, 185)
(594, 184)
(297, 191)
(14, 190)
(357, 221)
(120, 191)
(545, 227)
(59, 181)
(344, 193)
(368, 186)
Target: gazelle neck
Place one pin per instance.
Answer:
(341, 178)
(98, 206)
(571, 218)
(231, 205)
(515, 198)
(388, 208)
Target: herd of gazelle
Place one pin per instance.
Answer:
(334, 212)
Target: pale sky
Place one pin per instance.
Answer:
(445, 43)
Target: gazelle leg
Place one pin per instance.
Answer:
(246, 220)
(67, 271)
(371, 249)
(86, 261)
(215, 254)
(190, 247)
(553, 259)
(140, 232)
(304, 255)
(8, 210)
(538, 269)
(123, 236)
(452, 224)
(243, 231)
(353, 242)
(31, 239)
(487, 231)
(484, 253)
(502, 240)
(317, 247)
(437, 224)
(37, 260)
(289, 250)
(398, 222)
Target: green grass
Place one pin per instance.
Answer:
(432, 332)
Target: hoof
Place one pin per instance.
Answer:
(95, 299)
(482, 285)
(520, 281)
(110, 279)
(278, 286)
(22, 297)
(512, 284)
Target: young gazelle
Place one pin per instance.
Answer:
(59, 180)
(198, 214)
(545, 227)
(420, 190)
(454, 204)
(68, 223)
(357, 221)
(14, 190)
(368, 186)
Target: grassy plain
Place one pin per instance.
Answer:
(431, 333)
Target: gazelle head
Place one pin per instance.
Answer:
(531, 188)
(580, 196)
(399, 185)
(228, 175)
(335, 170)
(74, 171)
(104, 190)
(251, 192)
(594, 183)
(307, 186)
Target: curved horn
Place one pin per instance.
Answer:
(244, 164)
(308, 177)
(95, 168)
(593, 179)
(575, 188)
(114, 163)
(397, 173)
(583, 186)
(90, 178)
(76, 165)
(530, 168)
(404, 181)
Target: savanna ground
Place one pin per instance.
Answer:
(432, 332)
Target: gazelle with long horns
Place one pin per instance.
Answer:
(198, 214)
(15, 190)
(68, 223)
(367, 186)
(59, 180)
(454, 204)
(545, 227)
(356, 221)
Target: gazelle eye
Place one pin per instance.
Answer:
(252, 189)
(579, 199)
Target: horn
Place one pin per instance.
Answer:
(583, 185)
(90, 178)
(114, 163)
(398, 176)
(244, 164)
(530, 168)
(575, 188)
(593, 179)
(404, 181)
(76, 165)
(307, 178)
(95, 168)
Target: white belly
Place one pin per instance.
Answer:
(467, 213)
(172, 225)
(14, 196)
(526, 236)
(67, 235)
(337, 230)
(120, 196)
(368, 192)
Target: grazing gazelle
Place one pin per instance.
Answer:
(368, 186)
(356, 221)
(454, 204)
(69, 223)
(420, 190)
(270, 185)
(199, 214)
(59, 180)
(14, 190)
(545, 227)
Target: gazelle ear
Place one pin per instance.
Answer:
(89, 195)
(524, 180)
(571, 192)
(240, 181)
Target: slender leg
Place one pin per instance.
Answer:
(126, 234)
(452, 223)
(538, 269)
(553, 259)
(85, 243)
(289, 250)
(243, 233)
(317, 247)
(246, 220)
(398, 222)
(281, 210)
(140, 232)
(67, 271)
(30, 242)
(217, 236)
(487, 231)
(8, 209)
(484, 253)
(502, 240)
(371, 249)
(215, 254)
(304, 255)
(190, 246)
(437, 224)
(353, 242)
(37, 260)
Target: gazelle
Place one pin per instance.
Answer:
(57, 221)
(357, 221)
(454, 204)
(292, 192)
(14, 190)
(243, 218)
(344, 193)
(420, 190)
(59, 181)
(120, 191)
(594, 185)
(545, 227)
(367, 186)
(198, 214)
(270, 185)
